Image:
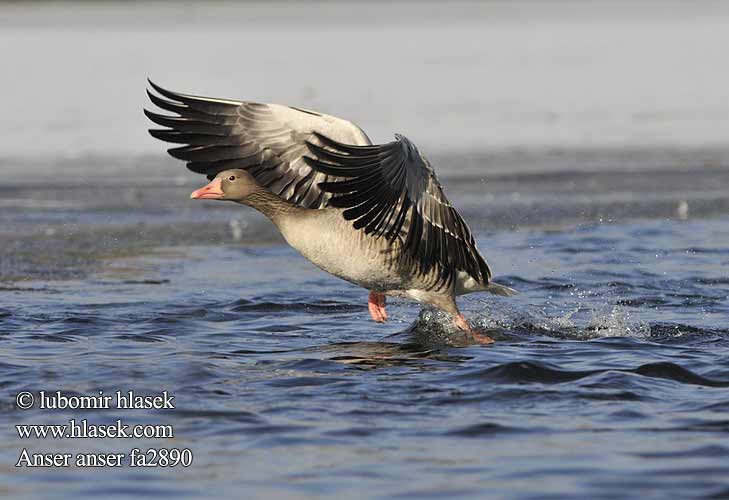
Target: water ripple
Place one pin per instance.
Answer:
(618, 360)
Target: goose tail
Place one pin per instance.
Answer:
(502, 290)
(466, 284)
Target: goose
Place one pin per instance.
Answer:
(372, 214)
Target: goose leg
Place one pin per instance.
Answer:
(481, 338)
(376, 305)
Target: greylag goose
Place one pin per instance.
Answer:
(373, 215)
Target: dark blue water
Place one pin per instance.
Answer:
(609, 377)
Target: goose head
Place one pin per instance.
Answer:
(234, 184)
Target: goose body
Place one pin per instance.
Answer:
(373, 215)
(330, 242)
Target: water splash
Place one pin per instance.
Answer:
(504, 321)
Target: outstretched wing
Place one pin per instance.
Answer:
(391, 191)
(267, 140)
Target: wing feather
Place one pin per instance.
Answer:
(268, 140)
(390, 190)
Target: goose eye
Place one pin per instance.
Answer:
(231, 178)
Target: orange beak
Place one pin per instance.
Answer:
(213, 191)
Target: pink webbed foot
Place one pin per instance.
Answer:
(481, 338)
(376, 305)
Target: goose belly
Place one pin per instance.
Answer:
(333, 245)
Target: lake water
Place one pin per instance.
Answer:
(586, 148)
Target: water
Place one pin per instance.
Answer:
(609, 375)
(607, 210)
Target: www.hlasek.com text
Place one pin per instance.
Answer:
(84, 430)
